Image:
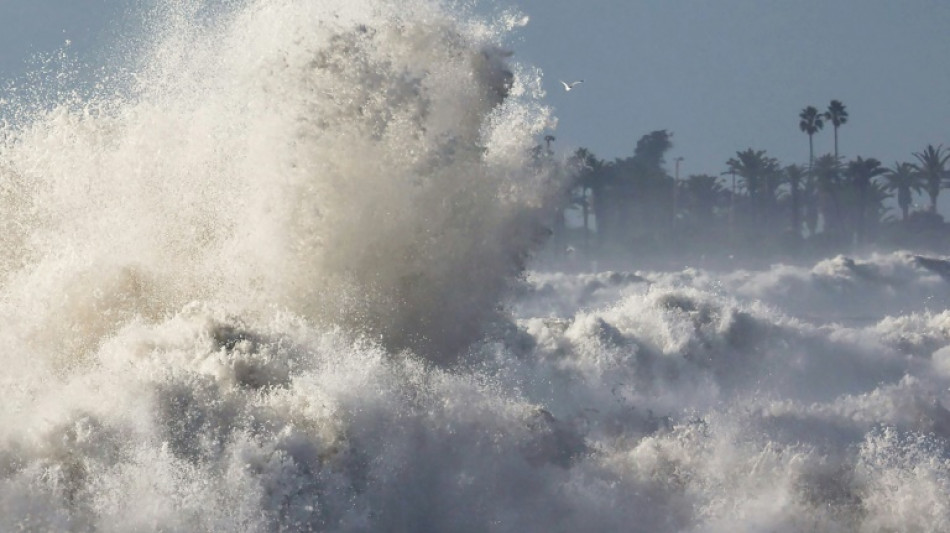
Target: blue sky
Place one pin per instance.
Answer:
(722, 75)
(727, 75)
(31, 27)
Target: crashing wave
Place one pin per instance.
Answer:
(248, 289)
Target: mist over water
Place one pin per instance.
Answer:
(267, 276)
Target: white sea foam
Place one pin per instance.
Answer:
(257, 283)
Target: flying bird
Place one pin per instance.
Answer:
(569, 86)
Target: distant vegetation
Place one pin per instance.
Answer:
(756, 207)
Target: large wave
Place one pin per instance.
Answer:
(255, 280)
(358, 163)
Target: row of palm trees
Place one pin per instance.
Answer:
(634, 203)
(844, 196)
(930, 166)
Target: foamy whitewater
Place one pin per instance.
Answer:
(268, 274)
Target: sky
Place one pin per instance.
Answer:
(722, 75)
(727, 75)
(29, 28)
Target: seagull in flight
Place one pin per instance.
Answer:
(569, 86)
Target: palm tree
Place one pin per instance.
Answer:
(794, 175)
(759, 175)
(548, 139)
(904, 179)
(810, 198)
(837, 115)
(877, 195)
(827, 173)
(861, 172)
(704, 193)
(931, 167)
(752, 166)
(810, 123)
(590, 181)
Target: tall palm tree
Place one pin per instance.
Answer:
(904, 179)
(811, 122)
(590, 181)
(861, 173)
(837, 115)
(931, 166)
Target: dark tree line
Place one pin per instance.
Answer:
(757, 205)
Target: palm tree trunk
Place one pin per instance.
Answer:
(811, 153)
(836, 143)
(903, 199)
(811, 172)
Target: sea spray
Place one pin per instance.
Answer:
(355, 169)
(349, 162)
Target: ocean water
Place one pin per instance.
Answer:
(271, 271)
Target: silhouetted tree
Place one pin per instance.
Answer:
(931, 167)
(876, 210)
(589, 181)
(641, 192)
(703, 195)
(827, 171)
(773, 180)
(652, 147)
(810, 201)
(904, 180)
(837, 115)
(758, 173)
(861, 172)
(810, 123)
(794, 175)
